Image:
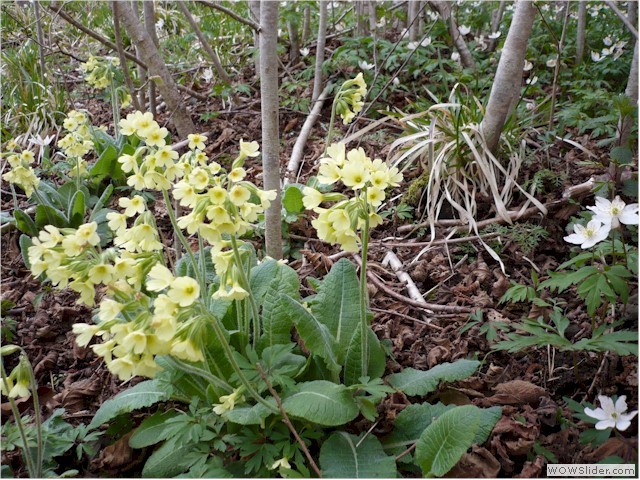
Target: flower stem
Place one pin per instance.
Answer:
(364, 294)
(183, 241)
(252, 301)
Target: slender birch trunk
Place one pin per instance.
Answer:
(270, 127)
(40, 35)
(322, 36)
(151, 57)
(371, 6)
(496, 19)
(148, 11)
(632, 12)
(361, 25)
(224, 76)
(123, 59)
(254, 9)
(444, 10)
(294, 38)
(582, 30)
(626, 123)
(412, 12)
(306, 25)
(508, 79)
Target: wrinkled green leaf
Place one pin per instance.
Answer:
(342, 457)
(322, 402)
(417, 382)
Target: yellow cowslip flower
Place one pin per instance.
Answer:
(165, 156)
(27, 156)
(218, 214)
(186, 350)
(156, 181)
(59, 277)
(375, 196)
(128, 163)
(104, 350)
(122, 367)
(199, 178)
(348, 240)
(250, 212)
(157, 345)
(228, 402)
(70, 124)
(84, 333)
(135, 342)
(124, 268)
(164, 327)
(283, 462)
(146, 366)
(86, 290)
(109, 309)
(101, 273)
(329, 172)
(236, 292)
(117, 221)
(184, 291)
(127, 125)
(20, 389)
(159, 278)
(266, 197)
(50, 236)
(88, 233)
(237, 174)
(144, 124)
(239, 195)
(156, 137)
(196, 141)
(137, 181)
(217, 195)
(185, 192)
(249, 149)
(190, 222)
(72, 245)
(211, 233)
(340, 219)
(133, 206)
(312, 198)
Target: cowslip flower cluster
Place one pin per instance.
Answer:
(100, 73)
(611, 415)
(21, 172)
(349, 100)
(18, 381)
(78, 141)
(368, 179)
(607, 215)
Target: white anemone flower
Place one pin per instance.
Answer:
(495, 35)
(551, 63)
(613, 213)
(595, 56)
(611, 415)
(304, 52)
(607, 40)
(588, 236)
(365, 66)
(464, 30)
(527, 66)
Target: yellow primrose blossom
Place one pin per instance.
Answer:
(312, 198)
(196, 141)
(156, 137)
(184, 291)
(159, 278)
(109, 309)
(135, 342)
(101, 273)
(239, 195)
(132, 206)
(249, 149)
(84, 333)
(228, 402)
(122, 367)
(283, 462)
(186, 350)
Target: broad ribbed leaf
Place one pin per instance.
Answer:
(418, 382)
(340, 458)
(269, 271)
(152, 430)
(353, 361)
(168, 460)
(337, 304)
(322, 402)
(411, 422)
(488, 419)
(276, 324)
(142, 395)
(316, 336)
(444, 441)
(249, 415)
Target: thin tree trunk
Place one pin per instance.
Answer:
(582, 30)
(148, 12)
(444, 10)
(36, 6)
(151, 56)
(412, 11)
(496, 19)
(254, 10)
(371, 6)
(270, 127)
(224, 76)
(115, 7)
(632, 12)
(508, 79)
(322, 35)
(626, 122)
(361, 25)
(294, 39)
(630, 26)
(306, 25)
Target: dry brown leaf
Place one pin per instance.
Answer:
(117, 457)
(516, 392)
(613, 446)
(437, 355)
(479, 463)
(532, 469)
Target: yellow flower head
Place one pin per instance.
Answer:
(184, 291)
(196, 141)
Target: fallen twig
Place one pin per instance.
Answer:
(394, 262)
(288, 423)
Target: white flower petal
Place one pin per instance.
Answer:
(607, 404)
(574, 238)
(629, 215)
(597, 413)
(621, 404)
(622, 424)
(604, 424)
